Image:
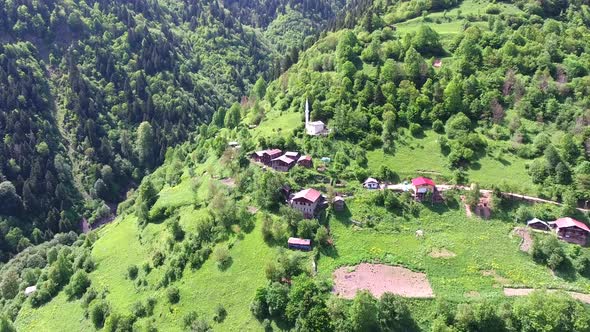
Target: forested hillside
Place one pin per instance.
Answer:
(503, 84)
(81, 77)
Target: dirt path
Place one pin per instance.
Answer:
(444, 187)
(526, 291)
(379, 279)
(527, 240)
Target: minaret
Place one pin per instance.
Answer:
(306, 112)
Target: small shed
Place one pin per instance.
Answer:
(538, 224)
(30, 290)
(371, 183)
(305, 161)
(339, 203)
(299, 244)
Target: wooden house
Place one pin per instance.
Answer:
(307, 201)
(305, 161)
(258, 155)
(371, 183)
(282, 163)
(293, 155)
(538, 224)
(300, 244)
(269, 155)
(571, 230)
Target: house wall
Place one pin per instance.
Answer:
(307, 208)
(280, 166)
(573, 235)
(423, 188)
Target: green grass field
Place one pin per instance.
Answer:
(448, 25)
(479, 246)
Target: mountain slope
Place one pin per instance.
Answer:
(509, 102)
(103, 68)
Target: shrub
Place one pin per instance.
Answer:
(222, 257)
(98, 312)
(138, 309)
(132, 272)
(415, 129)
(493, 9)
(158, 258)
(549, 251)
(173, 295)
(438, 126)
(150, 305)
(259, 307)
(582, 263)
(78, 284)
(220, 313)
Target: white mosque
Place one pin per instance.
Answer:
(313, 128)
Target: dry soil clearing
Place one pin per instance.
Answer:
(379, 279)
(527, 239)
(526, 291)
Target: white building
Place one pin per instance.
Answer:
(313, 128)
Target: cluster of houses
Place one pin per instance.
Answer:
(280, 161)
(567, 229)
(420, 187)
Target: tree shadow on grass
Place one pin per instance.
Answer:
(330, 251)
(566, 271)
(343, 216)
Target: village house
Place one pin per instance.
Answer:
(313, 128)
(282, 163)
(297, 243)
(423, 186)
(307, 201)
(538, 224)
(266, 156)
(257, 155)
(371, 183)
(292, 155)
(339, 203)
(305, 161)
(571, 230)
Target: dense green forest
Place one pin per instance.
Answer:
(81, 77)
(149, 95)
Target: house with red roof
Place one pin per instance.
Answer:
(305, 161)
(571, 230)
(423, 186)
(282, 163)
(307, 201)
(297, 243)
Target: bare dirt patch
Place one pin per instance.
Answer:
(527, 240)
(441, 253)
(252, 209)
(526, 291)
(498, 278)
(229, 182)
(379, 279)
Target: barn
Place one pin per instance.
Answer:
(300, 244)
